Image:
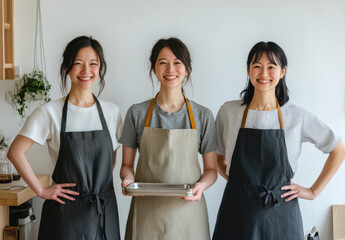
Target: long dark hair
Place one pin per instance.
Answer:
(70, 54)
(179, 49)
(277, 56)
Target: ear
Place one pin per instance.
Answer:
(282, 74)
(247, 70)
(154, 70)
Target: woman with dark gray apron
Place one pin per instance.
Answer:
(171, 130)
(81, 203)
(260, 201)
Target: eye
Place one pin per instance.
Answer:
(271, 67)
(94, 64)
(178, 63)
(77, 63)
(256, 66)
(160, 63)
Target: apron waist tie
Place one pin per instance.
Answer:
(99, 200)
(95, 198)
(268, 195)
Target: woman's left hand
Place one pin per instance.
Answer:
(197, 190)
(296, 191)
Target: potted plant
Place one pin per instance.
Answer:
(31, 87)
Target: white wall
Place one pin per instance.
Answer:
(219, 35)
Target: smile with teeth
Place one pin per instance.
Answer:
(85, 78)
(263, 81)
(170, 77)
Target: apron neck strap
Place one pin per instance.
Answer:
(244, 118)
(64, 114)
(152, 104)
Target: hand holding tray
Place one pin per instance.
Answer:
(159, 189)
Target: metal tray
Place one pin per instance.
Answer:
(160, 189)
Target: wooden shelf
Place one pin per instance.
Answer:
(8, 65)
(6, 40)
(19, 196)
(7, 26)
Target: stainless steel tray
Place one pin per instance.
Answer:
(160, 189)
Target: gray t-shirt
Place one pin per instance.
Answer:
(135, 121)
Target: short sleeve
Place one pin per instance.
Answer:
(129, 136)
(37, 127)
(208, 136)
(318, 133)
(219, 134)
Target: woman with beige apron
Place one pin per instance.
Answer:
(169, 136)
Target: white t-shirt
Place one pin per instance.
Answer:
(44, 124)
(299, 126)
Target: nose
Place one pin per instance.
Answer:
(85, 68)
(171, 67)
(264, 72)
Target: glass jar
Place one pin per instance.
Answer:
(5, 167)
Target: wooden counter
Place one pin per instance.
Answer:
(15, 198)
(19, 196)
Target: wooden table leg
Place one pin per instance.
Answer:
(4, 219)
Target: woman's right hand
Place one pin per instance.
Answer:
(57, 191)
(125, 183)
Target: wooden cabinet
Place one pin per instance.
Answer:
(15, 198)
(6, 40)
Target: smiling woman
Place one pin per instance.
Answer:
(259, 143)
(82, 134)
(169, 131)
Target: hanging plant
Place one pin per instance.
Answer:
(31, 87)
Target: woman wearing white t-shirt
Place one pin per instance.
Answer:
(82, 137)
(259, 143)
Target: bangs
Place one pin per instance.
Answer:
(271, 54)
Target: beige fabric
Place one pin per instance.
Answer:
(168, 156)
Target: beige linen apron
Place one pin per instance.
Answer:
(168, 156)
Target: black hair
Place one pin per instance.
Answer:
(179, 49)
(277, 56)
(70, 54)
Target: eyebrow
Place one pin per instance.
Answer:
(268, 63)
(78, 59)
(166, 59)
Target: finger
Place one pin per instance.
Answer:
(289, 187)
(63, 190)
(67, 197)
(58, 200)
(288, 193)
(291, 197)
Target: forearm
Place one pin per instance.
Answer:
(334, 160)
(127, 172)
(209, 175)
(16, 154)
(208, 178)
(221, 166)
(127, 168)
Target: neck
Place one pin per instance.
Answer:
(81, 98)
(263, 101)
(170, 100)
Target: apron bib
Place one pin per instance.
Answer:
(251, 207)
(168, 156)
(84, 158)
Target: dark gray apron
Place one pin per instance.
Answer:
(85, 158)
(251, 207)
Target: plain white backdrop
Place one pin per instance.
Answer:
(219, 35)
